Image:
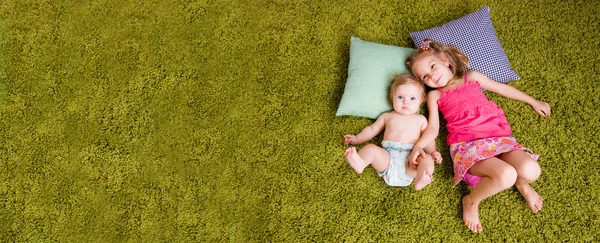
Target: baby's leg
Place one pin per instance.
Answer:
(423, 172)
(496, 176)
(528, 171)
(369, 155)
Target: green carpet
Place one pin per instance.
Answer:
(214, 121)
(2, 77)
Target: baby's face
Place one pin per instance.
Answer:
(408, 98)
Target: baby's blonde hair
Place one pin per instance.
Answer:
(459, 62)
(405, 78)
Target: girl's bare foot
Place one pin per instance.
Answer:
(533, 199)
(357, 163)
(423, 179)
(471, 214)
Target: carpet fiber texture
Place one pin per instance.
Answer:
(214, 121)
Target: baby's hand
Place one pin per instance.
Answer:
(437, 157)
(350, 139)
(541, 108)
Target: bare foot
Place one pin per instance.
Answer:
(471, 214)
(423, 179)
(357, 163)
(533, 199)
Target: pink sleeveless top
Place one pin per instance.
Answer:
(470, 115)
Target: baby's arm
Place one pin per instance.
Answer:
(508, 91)
(367, 133)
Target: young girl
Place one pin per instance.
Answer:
(485, 154)
(403, 127)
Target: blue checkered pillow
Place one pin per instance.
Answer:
(475, 36)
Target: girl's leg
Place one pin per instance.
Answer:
(369, 155)
(497, 175)
(528, 171)
(423, 172)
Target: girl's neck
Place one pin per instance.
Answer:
(453, 84)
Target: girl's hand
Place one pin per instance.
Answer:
(437, 157)
(541, 107)
(350, 139)
(416, 152)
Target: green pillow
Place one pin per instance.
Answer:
(371, 70)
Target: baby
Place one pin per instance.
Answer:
(403, 127)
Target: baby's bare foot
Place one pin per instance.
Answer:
(471, 214)
(533, 199)
(423, 179)
(357, 163)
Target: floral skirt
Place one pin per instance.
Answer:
(466, 154)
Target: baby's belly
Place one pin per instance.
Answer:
(407, 138)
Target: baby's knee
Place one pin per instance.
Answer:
(371, 147)
(425, 160)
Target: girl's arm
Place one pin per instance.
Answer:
(367, 133)
(431, 150)
(433, 127)
(508, 91)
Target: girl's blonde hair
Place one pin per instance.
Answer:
(458, 62)
(405, 78)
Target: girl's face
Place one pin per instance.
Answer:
(433, 71)
(408, 98)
